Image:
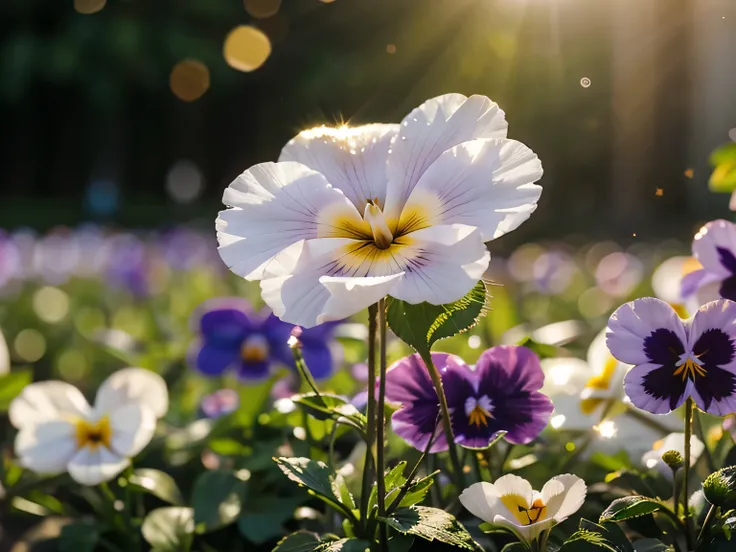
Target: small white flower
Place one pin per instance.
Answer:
(350, 215)
(584, 391)
(673, 441)
(511, 503)
(4, 356)
(59, 431)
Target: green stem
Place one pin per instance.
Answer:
(303, 368)
(676, 491)
(370, 415)
(446, 422)
(706, 522)
(689, 407)
(381, 426)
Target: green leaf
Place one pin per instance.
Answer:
(301, 541)
(417, 491)
(320, 406)
(312, 474)
(652, 545)
(542, 350)
(393, 478)
(629, 507)
(11, 384)
(157, 483)
(422, 325)
(723, 161)
(265, 520)
(344, 545)
(169, 529)
(592, 536)
(78, 537)
(432, 524)
(341, 491)
(217, 498)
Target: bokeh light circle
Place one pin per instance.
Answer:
(246, 48)
(262, 9)
(184, 181)
(585, 82)
(29, 345)
(189, 80)
(51, 304)
(88, 7)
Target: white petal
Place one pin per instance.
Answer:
(132, 428)
(428, 131)
(351, 159)
(442, 264)
(308, 299)
(478, 498)
(92, 466)
(45, 401)
(274, 206)
(667, 278)
(715, 246)
(132, 386)
(4, 355)
(513, 484)
(563, 495)
(483, 183)
(46, 447)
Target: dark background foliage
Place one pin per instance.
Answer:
(86, 98)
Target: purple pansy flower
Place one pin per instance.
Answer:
(675, 359)
(715, 248)
(220, 403)
(235, 337)
(500, 394)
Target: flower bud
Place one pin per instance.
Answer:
(673, 459)
(720, 488)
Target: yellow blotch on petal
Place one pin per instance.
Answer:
(93, 434)
(365, 259)
(523, 512)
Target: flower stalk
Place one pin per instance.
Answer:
(689, 408)
(370, 415)
(381, 425)
(457, 467)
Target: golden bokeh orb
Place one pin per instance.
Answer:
(246, 48)
(189, 80)
(262, 9)
(88, 7)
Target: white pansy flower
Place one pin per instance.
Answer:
(350, 215)
(59, 431)
(674, 441)
(586, 392)
(667, 284)
(511, 503)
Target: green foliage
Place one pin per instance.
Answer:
(514, 547)
(11, 384)
(592, 536)
(301, 541)
(629, 507)
(422, 325)
(432, 524)
(652, 545)
(157, 483)
(79, 537)
(169, 529)
(217, 499)
(327, 406)
(723, 161)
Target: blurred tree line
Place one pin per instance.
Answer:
(87, 97)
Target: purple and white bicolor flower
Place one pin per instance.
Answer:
(501, 393)
(675, 359)
(714, 246)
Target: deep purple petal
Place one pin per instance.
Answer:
(225, 327)
(633, 322)
(416, 422)
(408, 381)
(714, 245)
(252, 372)
(318, 359)
(728, 288)
(511, 368)
(655, 389)
(213, 360)
(274, 328)
(663, 347)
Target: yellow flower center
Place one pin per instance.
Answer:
(479, 416)
(601, 382)
(382, 236)
(254, 349)
(478, 410)
(523, 512)
(93, 434)
(690, 368)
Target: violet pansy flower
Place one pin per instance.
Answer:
(714, 246)
(233, 337)
(500, 394)
(675, 359)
